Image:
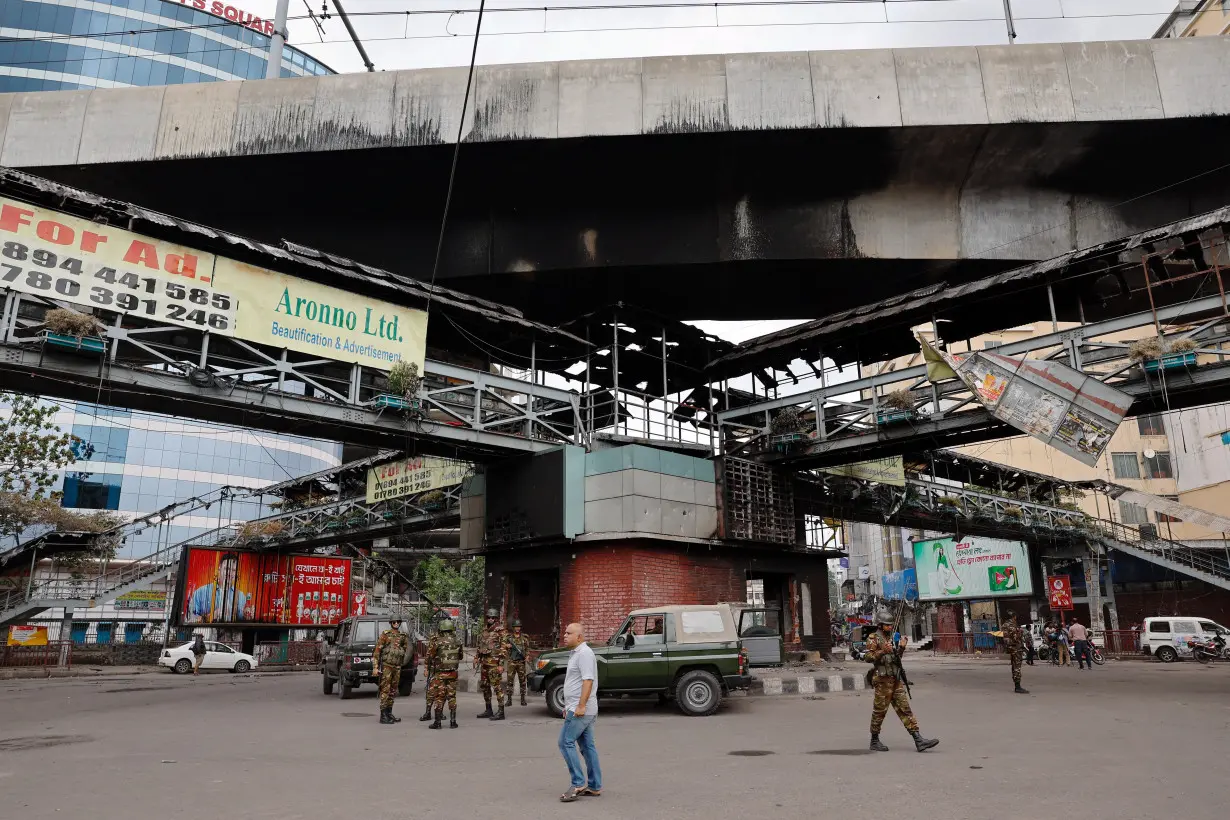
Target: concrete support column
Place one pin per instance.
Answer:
(1093, 590)
(66, 636)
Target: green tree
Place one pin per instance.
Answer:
(32, 452)
(458, 582)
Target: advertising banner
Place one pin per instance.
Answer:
(22, 635)
(1059, 592)
(973, 567)
(232, 587)
(889, 470)
(48, 253)
(1069, 410)
(142, 599)
(900, 585)
(414, 475)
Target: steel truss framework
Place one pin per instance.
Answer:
(163, 368)
(852, 423)
(347, 520)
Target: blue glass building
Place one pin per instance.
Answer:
(55, 45)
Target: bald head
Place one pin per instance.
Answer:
(573, 635)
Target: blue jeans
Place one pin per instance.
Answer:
(578, 732)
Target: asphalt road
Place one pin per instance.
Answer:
(1128, 740)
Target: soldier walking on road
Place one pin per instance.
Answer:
(428, 672)
(492, 650)
(388, 656)
(1014, 642)
(885, 678)
(444, 657)
(518, 651)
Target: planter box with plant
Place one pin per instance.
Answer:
(404, 383)
(787, 430)
(895, 407)
(1158, 353)
(432, 501)
(72, 330)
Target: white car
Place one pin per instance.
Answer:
(217, 656)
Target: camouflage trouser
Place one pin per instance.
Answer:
(889, 690)
(491, 679)
(390, 678)
(1014, 657)
(516, 672)
(431, 676)
(443, 687)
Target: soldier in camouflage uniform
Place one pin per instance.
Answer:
(388, 656)
(885, 678)
(444, 655)
(428, 671)
(492, 651)
(1014, 642)
(518, 651)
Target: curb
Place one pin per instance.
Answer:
(807, 685)
(45, 673)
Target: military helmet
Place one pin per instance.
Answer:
(514, 623)
(447, 625)
(883, 616)
(493, 613)
(396, 619)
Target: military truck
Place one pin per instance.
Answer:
(689, 654)
(348, 662)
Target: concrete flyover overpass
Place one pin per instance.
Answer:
(831, 178)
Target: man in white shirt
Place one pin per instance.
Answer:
(580, 711)
(1079, 636)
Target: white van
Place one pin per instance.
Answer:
(1166, 638)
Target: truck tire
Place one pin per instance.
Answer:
(698, 693)
(326, 682)
(555, 696)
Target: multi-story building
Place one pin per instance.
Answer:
(1196, 18)
(57, 45)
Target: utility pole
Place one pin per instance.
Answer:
(274, 69)
(1009, 22)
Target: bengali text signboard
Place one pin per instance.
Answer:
(972, 567)
(230, 587)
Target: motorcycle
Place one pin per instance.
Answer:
(1208, 651)
(1046, 650)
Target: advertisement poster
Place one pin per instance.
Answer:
(1059, 592)
(142, 599)
(889, 470)
(52, 254)
(358, 605)
(414, 475)
(973, 567)
(22, 635)
(900, 585)
(232, 587)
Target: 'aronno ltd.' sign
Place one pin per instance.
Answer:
(232, 13)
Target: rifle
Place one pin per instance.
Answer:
(901, 676)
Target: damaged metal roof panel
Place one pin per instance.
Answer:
(879, 330)
(292, 258)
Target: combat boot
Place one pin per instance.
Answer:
(508, 698)
(1020, 691)
(876, 745)
(435, 724)
(500, 714)
(394, 717)
(385, 717)
(522, 697)
(488, 712)
(921, 743)
(452, 718)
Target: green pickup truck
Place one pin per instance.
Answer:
(691, 654)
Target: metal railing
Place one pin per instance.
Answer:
(288, 653)
(854, 413)
(970, 503)
(1203, 561)
(48, 655)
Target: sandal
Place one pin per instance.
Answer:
(570, 795)
(586, 791)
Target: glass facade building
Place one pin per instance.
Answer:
(137, 463)
(55, 45)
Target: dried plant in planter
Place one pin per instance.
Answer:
(899, 400)
(1013, 511)
(948, 500)
(1155, 347)
(432, 497)
(789, 420)
(70, 323)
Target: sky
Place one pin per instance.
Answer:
(440, 32)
